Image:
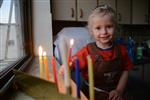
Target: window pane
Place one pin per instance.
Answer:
(11, 34)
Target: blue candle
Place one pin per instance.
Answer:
(77, 78)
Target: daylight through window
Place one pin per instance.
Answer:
(11, 34)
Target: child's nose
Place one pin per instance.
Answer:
(103, 31)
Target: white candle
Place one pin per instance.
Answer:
(64, 51)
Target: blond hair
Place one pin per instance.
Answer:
(102, 10)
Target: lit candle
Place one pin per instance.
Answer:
(91, 80)
(65, 63)
(46, 66)
(77, 78)
(40, 62)
(54, 69)
(70, 50)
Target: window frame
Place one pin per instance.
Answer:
(7, 76)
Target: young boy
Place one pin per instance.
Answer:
(110, 61)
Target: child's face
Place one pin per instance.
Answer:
(102, 28)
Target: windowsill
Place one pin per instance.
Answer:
(33, 69)
(7, 76)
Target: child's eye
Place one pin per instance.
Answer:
(98, 28)
(109, 26)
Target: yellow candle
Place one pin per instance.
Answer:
(91, 80)
(46, 66)
(40, 62)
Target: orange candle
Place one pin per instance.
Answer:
(41, 74)
(54, 69)
(46, 66)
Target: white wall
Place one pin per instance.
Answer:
(42, 26)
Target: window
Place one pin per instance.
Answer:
(11, 35)
(15, 38)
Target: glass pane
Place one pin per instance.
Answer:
(11, 34)
(4, 12)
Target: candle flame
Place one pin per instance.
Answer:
(44, 53)
(71, 42)
(40, 50)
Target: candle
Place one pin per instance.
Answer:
(40, 62)
(63, 48)
(54, 69)
(77, 78)
(91, 81)
(70, 50)
(46, 66)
